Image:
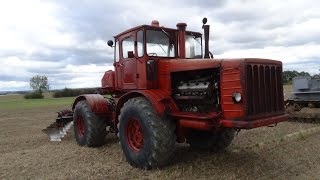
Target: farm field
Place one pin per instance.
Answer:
(264, 153)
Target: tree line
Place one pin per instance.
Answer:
(289, 75)
(39, 84)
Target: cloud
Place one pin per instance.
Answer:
(13, 85)
(67, 41)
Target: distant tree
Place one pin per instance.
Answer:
(289, 75)
(316, 76)
(303, 74)
(39, 83)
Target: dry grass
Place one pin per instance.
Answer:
(26, 153)
(287, 91)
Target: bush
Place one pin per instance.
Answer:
(66, 92)
(34, 95)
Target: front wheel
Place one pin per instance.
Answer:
(210, 141)
(147, 140)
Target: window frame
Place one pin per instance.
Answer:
(125, 38)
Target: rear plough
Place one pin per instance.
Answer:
(57, 130)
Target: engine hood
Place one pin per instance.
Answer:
(176, 65)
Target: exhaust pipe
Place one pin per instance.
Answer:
(206, 29)
(182, 33)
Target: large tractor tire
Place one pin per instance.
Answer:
(89, 129)
(210, 141)
(147, 140)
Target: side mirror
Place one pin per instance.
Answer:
(130, 54)
(204, 20)
(110, 43)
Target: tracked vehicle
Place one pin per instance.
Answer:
(304, 102)
(165, 89)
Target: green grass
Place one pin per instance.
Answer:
(301, 136)
(18, 102)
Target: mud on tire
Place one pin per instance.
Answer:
(210, 141)
(138, 120)
(89, 129)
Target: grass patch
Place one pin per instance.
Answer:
(17, 103)
(301, 136)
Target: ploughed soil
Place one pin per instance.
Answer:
(264, 153)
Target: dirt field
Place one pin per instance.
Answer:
(264, 153)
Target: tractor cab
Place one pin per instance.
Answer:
(138, 50)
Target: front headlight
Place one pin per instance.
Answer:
(236, 97)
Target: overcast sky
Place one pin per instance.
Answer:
(66, 40)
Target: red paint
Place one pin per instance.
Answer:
(253, 124)
(204, 125)
(194, 115)
(181, 38)
(127, 67)
(96, 102)
(230, 83)
(134, 135)
(108, 81)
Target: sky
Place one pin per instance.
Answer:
(67, 40)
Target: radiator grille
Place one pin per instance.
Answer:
(264, 89)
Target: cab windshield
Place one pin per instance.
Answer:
(193, 46)
(160, 43)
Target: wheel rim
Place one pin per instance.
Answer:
(134, 135)
(80, 126)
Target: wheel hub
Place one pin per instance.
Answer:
(80, 126)
(134, 135)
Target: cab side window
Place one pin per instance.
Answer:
(116, 51)
(127, 45)
(140, 43)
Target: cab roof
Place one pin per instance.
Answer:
(152, 27)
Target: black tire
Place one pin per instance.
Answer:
(94, 127)
(210, 141)
(158, 135)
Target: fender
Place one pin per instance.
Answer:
(97, 103)
(160, 100)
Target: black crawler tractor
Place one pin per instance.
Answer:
(304, 102)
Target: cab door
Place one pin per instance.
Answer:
(128, 62)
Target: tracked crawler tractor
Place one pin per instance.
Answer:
(165, 90)
(304, 102)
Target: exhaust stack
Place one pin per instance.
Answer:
(206, 29)
(182, 33)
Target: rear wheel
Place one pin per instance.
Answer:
(89, 129)
(210, 141)
(147, 140)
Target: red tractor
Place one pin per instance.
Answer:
(165, 90)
